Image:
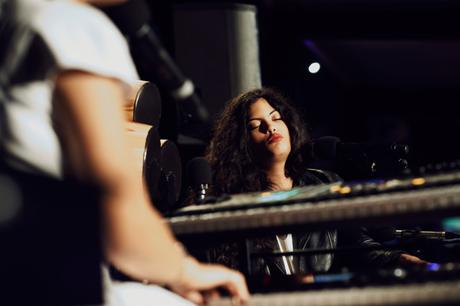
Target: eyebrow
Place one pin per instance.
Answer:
(274, 110)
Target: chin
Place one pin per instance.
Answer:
(281, 149)
(280, 155)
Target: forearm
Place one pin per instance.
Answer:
(379, 256)
(135, 238)
(139, 243)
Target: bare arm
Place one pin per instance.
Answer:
(89, 112)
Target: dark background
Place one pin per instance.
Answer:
(390, 69)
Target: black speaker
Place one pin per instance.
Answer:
(162, 170)
(170, 176)
(147, 105)
(151, 164)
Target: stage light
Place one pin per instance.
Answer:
(314, 67)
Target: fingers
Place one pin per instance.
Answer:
(199, 277)
(230, 280)
(411, 259)
(210, 295)
(200, 298)
(237, 287)
(194, 297)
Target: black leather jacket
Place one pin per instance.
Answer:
(364, 238)
(230, 255)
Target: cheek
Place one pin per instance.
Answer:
(287, 145)
(285, 132)
(287, 137)
(257, 143)
(256, 137)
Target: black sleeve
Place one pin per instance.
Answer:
(319, 176)
(367, 250)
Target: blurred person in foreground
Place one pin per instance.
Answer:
(64, 71)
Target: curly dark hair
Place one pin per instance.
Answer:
(233, 163)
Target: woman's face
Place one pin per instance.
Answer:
(269, 134)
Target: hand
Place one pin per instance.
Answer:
(407, 259)
(199, 282)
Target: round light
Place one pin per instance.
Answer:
(314, 67)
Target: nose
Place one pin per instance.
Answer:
(268, 127)
(272, 128)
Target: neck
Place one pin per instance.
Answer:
(276, 174)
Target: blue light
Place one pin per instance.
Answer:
(328, 278)
(433, 267)
(451, 224)
(277, 196)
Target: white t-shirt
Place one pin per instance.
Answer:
(48, 37)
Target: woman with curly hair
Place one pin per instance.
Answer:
(258, 145)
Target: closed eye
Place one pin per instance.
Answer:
(276, 117)
(254, 125)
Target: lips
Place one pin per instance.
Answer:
(274, 138)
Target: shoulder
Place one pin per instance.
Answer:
(313, 176)
(80, 37)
